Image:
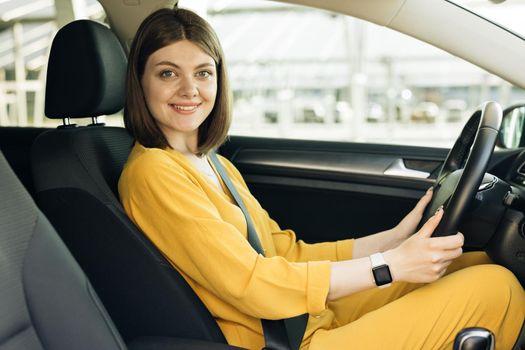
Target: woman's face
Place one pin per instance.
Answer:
(180, 87)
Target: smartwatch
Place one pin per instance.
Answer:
(380, 270)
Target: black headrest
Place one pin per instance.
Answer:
(86, 72)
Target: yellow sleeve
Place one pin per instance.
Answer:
(292, 249)
(286, 243)
(175, 213)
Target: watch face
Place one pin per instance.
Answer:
(382, 275)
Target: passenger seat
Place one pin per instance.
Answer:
(46, 301)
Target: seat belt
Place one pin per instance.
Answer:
(286, 334)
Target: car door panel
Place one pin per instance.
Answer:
(322, 190)
(333, 190)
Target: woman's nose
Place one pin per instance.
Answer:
(188, 88)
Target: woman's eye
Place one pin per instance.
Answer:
(167, 74)
(204, 74)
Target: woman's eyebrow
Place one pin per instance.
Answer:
(207, 64)
(168, 63)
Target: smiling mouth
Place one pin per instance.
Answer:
(185, 108)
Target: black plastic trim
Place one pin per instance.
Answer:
(337, 186)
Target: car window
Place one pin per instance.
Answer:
(310, 74)
(296, 72)
(28, 27)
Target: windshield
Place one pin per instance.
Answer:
(509, 14)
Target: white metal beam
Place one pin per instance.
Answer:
(20, 76)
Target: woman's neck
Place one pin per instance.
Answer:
(185, 144)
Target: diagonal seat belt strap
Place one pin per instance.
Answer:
(253, 238)
(284, 334)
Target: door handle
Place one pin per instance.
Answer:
(398, 168)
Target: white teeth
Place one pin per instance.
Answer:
(185, 108)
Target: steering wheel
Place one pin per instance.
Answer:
(464, 168)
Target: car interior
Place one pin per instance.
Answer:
(76, 170)
(90, 279)
(47, 301)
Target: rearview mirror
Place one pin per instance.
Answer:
(511, 134)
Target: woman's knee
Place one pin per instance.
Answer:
(493, 285)
(488, 277)
(469, 259)
(493, 274)
(501, 302)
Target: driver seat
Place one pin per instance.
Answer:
(76, 171)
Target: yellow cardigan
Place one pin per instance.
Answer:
(203, 233)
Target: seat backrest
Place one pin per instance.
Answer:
(76, 170)
(46, 301)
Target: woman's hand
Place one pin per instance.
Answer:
(385, 240)
(419, 259)
(422, 258)
(408, 225)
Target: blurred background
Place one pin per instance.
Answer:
(295, 72)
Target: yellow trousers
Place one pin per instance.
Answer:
(474, 293)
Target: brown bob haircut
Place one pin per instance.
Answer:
(162, 28)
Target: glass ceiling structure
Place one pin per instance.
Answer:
(31, 25)
(26, 31)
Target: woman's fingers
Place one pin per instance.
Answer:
(446, 256)
(408, 225)
(423, 202)
(429, 226)
(455, 253)
(447, 242)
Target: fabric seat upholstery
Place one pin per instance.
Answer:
(76, 170)
(46, 301)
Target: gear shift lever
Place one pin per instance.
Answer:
(474, 338)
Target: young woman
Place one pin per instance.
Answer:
(178, 109)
